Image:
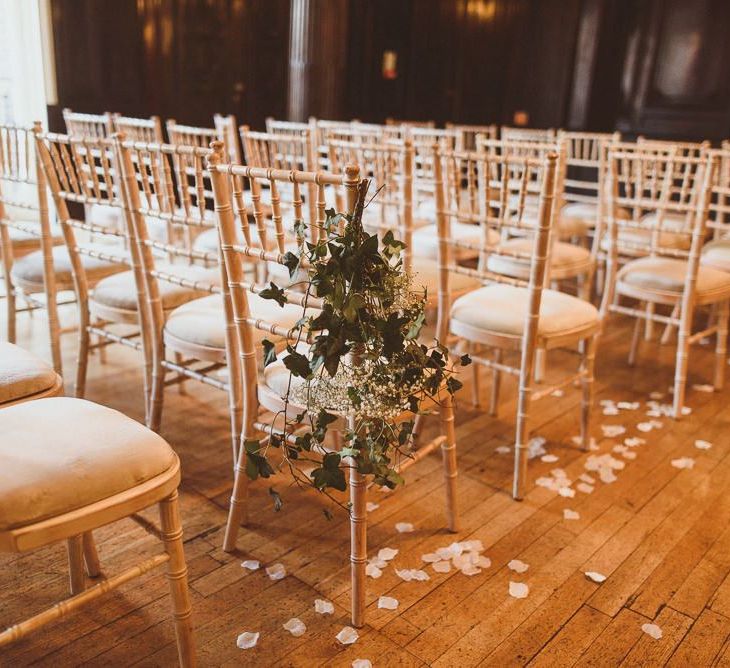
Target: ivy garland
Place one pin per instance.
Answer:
(364, 359)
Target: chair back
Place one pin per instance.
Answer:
(139, 129)
(502, 181)
(91, 126)
(510, 133)
(719, 218)
(466, 135)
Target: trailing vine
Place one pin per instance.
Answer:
(364, 359)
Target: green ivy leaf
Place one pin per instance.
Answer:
(291, 262)
(278, 503)
(256, 464)
(465, 360)
(269, 352)
(297, 363)
(275, 293)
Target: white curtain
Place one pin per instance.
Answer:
(22, 82)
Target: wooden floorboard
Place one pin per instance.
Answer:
(660, 535)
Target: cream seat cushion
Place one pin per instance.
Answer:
(29, 269)
(578, 218)
(426, 275)
(425, 240)
(501, 309)
(202, 321)
(23, 241)
(668, 275)
(22, 374)
(565, 258)
(61, 454)
(717, 254)
(120, 291)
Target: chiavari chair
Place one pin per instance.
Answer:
(265, 392)
(511, 314)
(466, 137)
(674, 194)
(716, 252)
(510, 133)
(83, 171)
(139, 129)
(26, 235)
(91, 126)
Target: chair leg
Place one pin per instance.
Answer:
(540, 364)
(82, 360)
(521, 437)
(181, 388)
(448, 455)
(157, 388)
(10, 306)
(649, 322)
(91, 556)
(177, 576)
(54, 333)
(239, 502)
(417, 426)
(587, 385)
(723, 311)
(635, 342)
(496, 383)
(669, 329)
(680, 369)
(475, 380)
(75, 550)
(358, 545)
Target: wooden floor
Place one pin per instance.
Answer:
(661, 535)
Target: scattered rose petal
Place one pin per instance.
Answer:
(536, 447)
(387, 603)
(251, 564)
(441, 566)
(482, 561)
(371, 570)
(474, 545)
(276, 571)
(569, 514)
(376, 561)
(470, 569)
(584, 477)
(704, 388)
(633, 441)
(628, 405)
(557, 393)
(585, 488)
(518, 589)
(566, 492)
(430, 558)
(404, 527)
(296, 627)
(596, 577)
(387, 553)
(409, 574)
(683, 463)
(518, 566)
(702, 445)
(370, 506)
(612, 430)
(324, 607)
(362, 663)
(652, 630)
(686, 410)
(629, 455)
(549, 459)
(503, 449)
(347, 636)
(247, 640)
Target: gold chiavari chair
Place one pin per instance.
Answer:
(139, 129)
(84, 171)
(91, 126)
(265, 393)
(26, 235)
(510, 133)
(687, 149)
(466, 135)
(674, 193)
(716, 252)
(512, 314)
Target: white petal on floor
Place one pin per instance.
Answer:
(387, 603)
(652, 630)
(569, 514)
(607, 476)
(645, 426)
(656, 396)
(612, 430)
(276, 571)
(347, 636)
(503, 449)
(518, 566)
(387, 553)
(362, 663)
(557, 393)
(566, 492)
(404, 527)
(629, 455)
(628, 405)
(251, 564)
(585, 488)
(470, 569)
(683, 463)
(296, 627)
(518, 589)
(370, 506)
(441, 566)
(324, 607)
(377, 561)
(633, 441)
(474, 545)
(482, 561)
(702, 445)
(704, 388)
(371, 570)
(596, 577)
(549, 459)
(430, 557)
(247, 640)
(409, 574)
(536, 447)
(584, 477)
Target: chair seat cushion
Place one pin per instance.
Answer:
(61, 454)
(425, 240)
(202, 321)
(717, 254)
(633, 240)
(501, 309)
(22, 374)
(426, 275)
(668, 275)
(29, 268)
(120, 292)
(578, 218)
(24, 241)
(565, 257)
